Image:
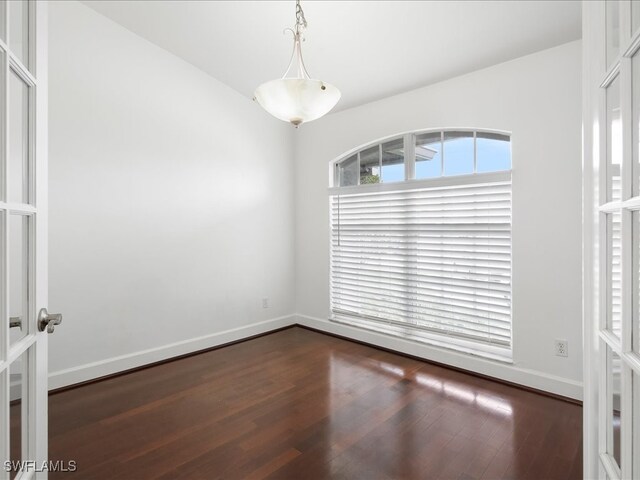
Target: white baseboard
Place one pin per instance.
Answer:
(112, 365)
(510, 373)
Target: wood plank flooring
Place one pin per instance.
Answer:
(297, 404)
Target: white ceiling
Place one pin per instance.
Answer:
(368, 49)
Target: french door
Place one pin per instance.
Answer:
(23, 240)
(611, 109)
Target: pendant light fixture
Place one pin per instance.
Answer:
(296, 97)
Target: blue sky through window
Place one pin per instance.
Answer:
(428, 155)
(428, 168)
(458, 153)
(393, 173)
(493, 155)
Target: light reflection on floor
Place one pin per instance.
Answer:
(424, 419)
(457, 391)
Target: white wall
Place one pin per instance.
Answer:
(171, 203)
(538, 99)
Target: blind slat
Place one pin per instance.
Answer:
(393, 311)
(487, 309)
(481, 295)
(484, 286)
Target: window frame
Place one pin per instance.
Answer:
(458, 344)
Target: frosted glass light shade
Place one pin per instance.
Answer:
(297, 100)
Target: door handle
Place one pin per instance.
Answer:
(48, 320)
(15, 322)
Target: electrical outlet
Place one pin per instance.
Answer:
(562, 348)
(265, 302)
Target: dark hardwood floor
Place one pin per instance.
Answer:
(301, 405)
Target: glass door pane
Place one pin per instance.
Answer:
(635, 269)
(614, 373)
(614, 141)
(612, 15)
(3, 15)
(635, 125)
(18, 412)
(18, 162)
(636, 424)
(19, 29)
(635, 15)
(18, 276)
(614, 273)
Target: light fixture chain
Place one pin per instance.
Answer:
(301, 22)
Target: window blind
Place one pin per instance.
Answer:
(431, 263)
(615, 267)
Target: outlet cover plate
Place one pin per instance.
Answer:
(562, 348)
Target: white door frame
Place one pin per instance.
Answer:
(32, 347)
(604, 27)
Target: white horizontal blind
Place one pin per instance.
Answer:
(615, 261)
(616, 273)
(430, 260)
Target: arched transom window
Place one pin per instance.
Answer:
(425, 155)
